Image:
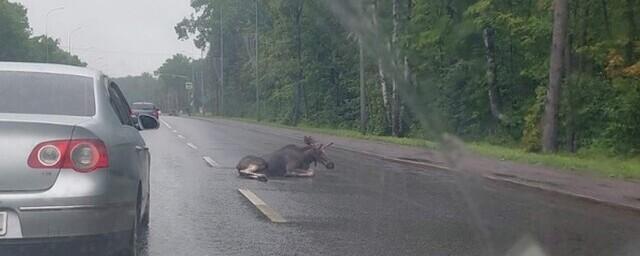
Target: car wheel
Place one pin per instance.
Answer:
(145, 217)
(132, 243)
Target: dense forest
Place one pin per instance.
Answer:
(542, 74)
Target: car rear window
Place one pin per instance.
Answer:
(44, 93)
(143, 106)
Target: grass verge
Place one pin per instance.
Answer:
(615, 167)
(625, 168)
(346, 133)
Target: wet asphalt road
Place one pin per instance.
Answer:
(363, 207)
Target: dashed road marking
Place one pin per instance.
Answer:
(269, 212)
(166, 124)
(180, 136)
(192, 146)
(210, 161)
(175, 131)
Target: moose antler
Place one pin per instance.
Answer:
(328, 145)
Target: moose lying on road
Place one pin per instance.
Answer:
(289, 161)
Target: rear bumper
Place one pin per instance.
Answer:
(71, 220)
(78, 204)
(105, 244)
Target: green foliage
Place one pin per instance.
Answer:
(444, 44)
(532, 131)
(14, 32)
(622, 133)
(174, 74)
(17, 43)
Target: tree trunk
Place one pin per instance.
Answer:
(385, 92)
(395, 97)
(605, 14)
(406, 77)
(568, 70)
(381, 76)
(488, 34)
(364, 116)
(552, 102)
(221, 66)
(298, 88)
(631, 19)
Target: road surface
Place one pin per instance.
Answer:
(365, 206)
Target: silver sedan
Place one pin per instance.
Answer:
(73, 166)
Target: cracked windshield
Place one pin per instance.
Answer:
(320, 127)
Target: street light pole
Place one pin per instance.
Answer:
(203, 92)
(46, 29)
(69, 38)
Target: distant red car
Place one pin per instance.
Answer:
(138, 108)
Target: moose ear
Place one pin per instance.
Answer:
(308, 140)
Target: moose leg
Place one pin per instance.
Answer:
(300, 173)
(250, 173)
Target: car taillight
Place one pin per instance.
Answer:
(81, 155)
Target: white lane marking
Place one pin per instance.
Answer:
(271, 214)
(180, 136)
(166, 124)
(175, 131)
(210, 161)
(192, 146)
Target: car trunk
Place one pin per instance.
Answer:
(19, 137)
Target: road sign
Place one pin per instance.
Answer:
(188, 85)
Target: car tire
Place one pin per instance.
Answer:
(132, 240)
(145, 217)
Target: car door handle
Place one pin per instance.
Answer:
(142, 148)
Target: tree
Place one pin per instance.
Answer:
(476, 68)
(550, 121)
(175, 73)
(395, 91)
(14, 32)
(488, 35)
(298, 96)
(380, 78)
(363, 91)
(632, 30)
(17, 43)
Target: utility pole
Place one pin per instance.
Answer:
(69, 38)
(203, 93)
(46, 29)
(192, 94)
(257, 73)
(221, 65)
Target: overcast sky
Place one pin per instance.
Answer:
(120, 37)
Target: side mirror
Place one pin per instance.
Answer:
(147, 122)
(136, 121)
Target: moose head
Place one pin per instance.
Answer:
(317, 152)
